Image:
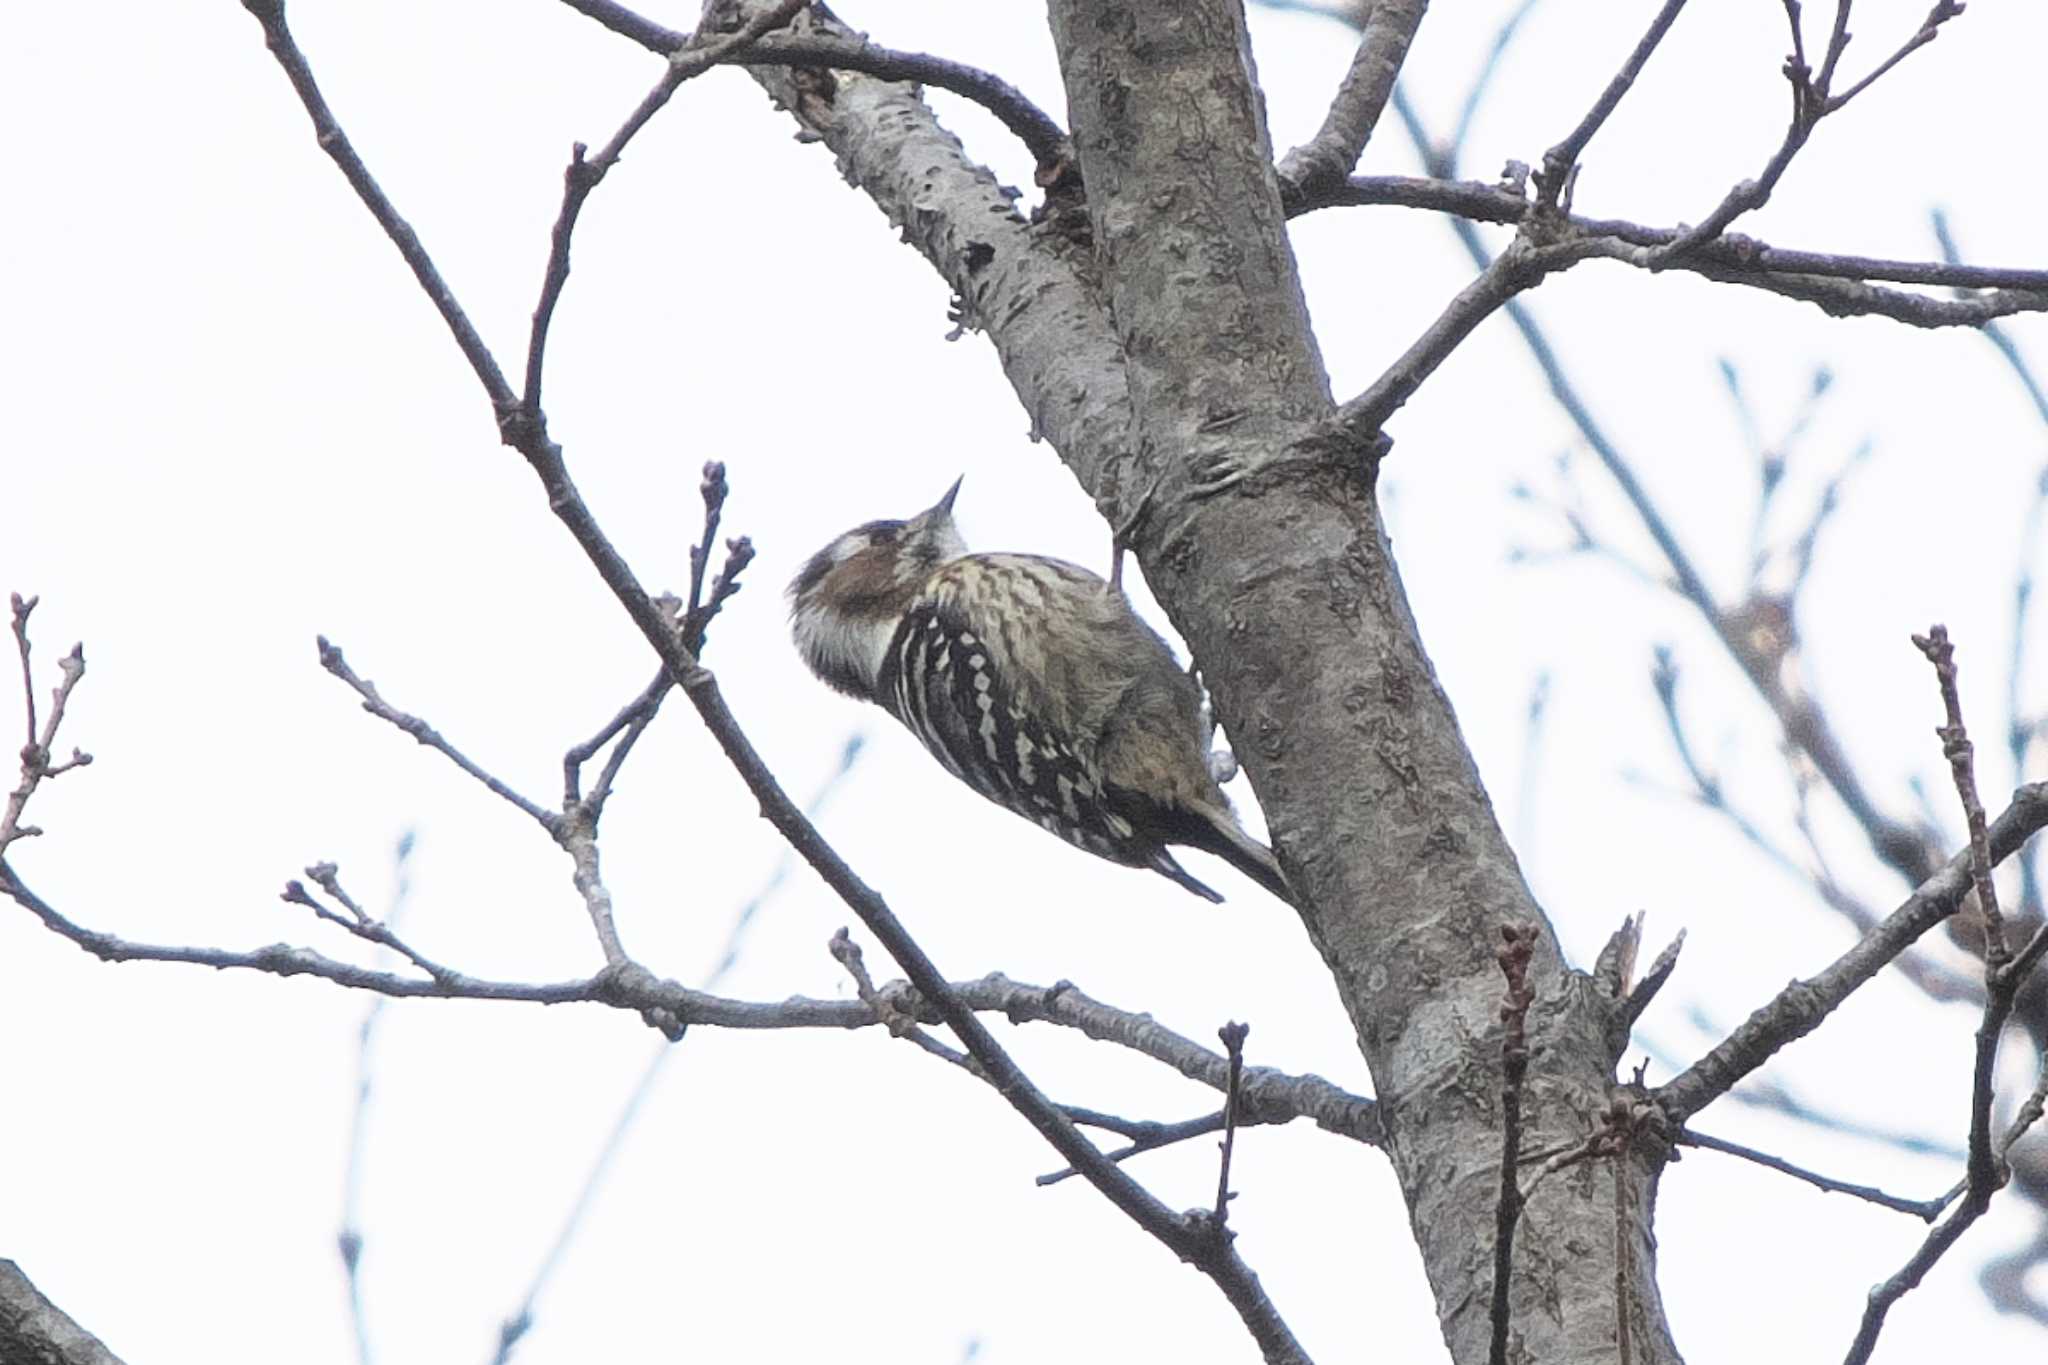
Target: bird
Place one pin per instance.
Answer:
(1033, 681)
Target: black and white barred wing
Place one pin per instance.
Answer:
(942, 680)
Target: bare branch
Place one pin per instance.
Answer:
(36, 766)
(1347, 127)
(1561, 161)
(1518, 945)
(1269, 1096)
(1926, 1210)
(333, 141)
(22, 606)
(526, 432)
(1474, 199)
(1961, 755)
(332, 659)
(283, 959)
(1930, 27)
(1232, 1036)
(630, 24)
(328, 877)
(1811, 102)
(577, 834)
(1041, 135)
(1145, 1135)
(1842, 297)
(1838, 283)
(635, 716)
(693, 58)
(1735, 253)
(1800, 1007)
(1521, 266)
(694, 619)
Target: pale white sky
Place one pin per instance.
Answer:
(235, 423)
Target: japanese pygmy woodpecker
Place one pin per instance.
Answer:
(1033, 681)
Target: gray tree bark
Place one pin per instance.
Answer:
(1166, 353)
(34, 1331)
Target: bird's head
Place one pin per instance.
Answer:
(845, 603)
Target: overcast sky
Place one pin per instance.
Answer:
(236, 424)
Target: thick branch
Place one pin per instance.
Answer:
(1263, 543)
(1347, 127)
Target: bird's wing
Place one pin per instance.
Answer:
(942, 680)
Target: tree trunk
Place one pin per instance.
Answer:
(1172, 365)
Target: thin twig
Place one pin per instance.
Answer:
(1732, 258)
(22, 606)
(333, 141)
(1520, 267)
(634, 718)
(1811, 102)
(1961, 755)
(1926, 1210)
(358, 922)
(283, 959)
(1986, 1171)
(1232, 1035)
(585, 173)
(36, 767)
(1560, 161)
(1146, 1135)
(693, 619)
(635, 713)
(1518, 945)
(1929, 29)
(332, 659)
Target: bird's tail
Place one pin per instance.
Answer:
(1214, 829)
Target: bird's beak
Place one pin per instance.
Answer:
(944, 506)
